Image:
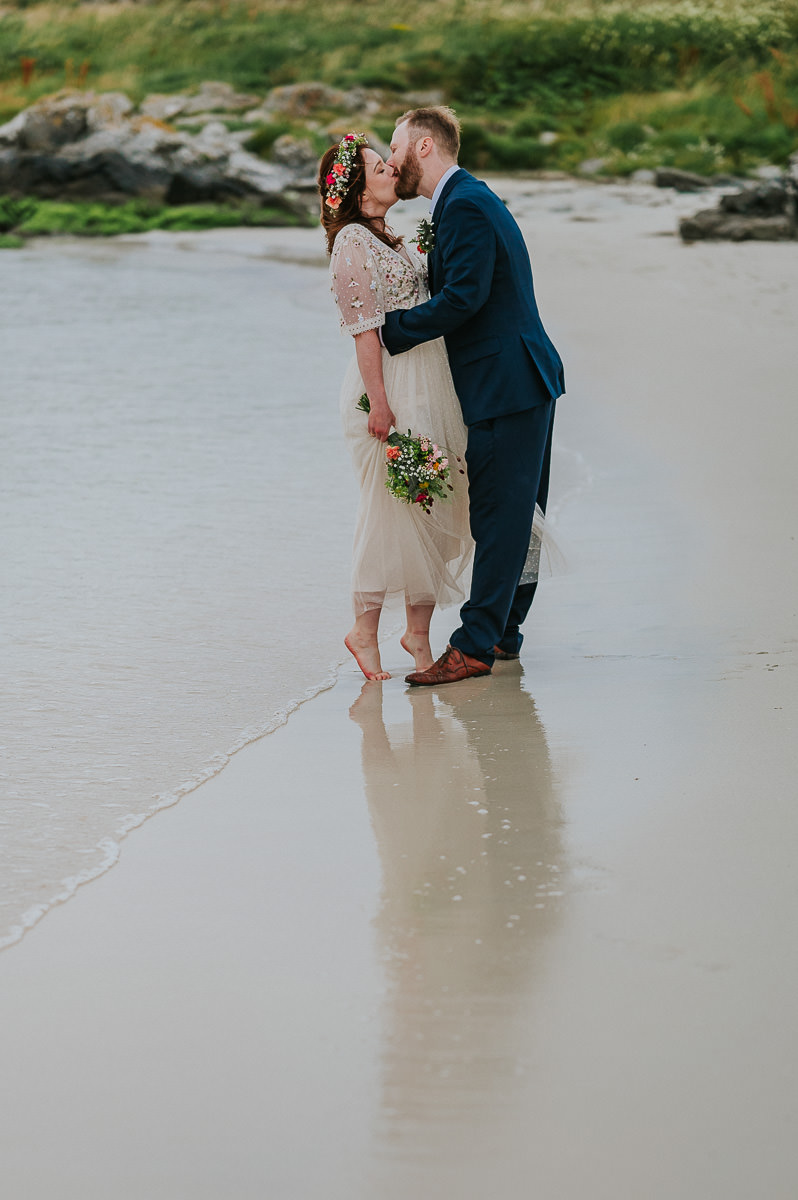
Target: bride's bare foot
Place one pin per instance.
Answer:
(366, 654)
(417, 644)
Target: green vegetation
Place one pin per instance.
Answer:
(264, 137)
(102, 220)
(710, 86)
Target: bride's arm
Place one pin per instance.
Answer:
(357, 287)
(369, 361)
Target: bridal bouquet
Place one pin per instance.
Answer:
(418, 470)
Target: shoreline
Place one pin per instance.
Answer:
(510, 184)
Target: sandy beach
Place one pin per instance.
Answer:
(524, 936)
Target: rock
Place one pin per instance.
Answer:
(768, 172)
(82, 145)
(763, 213)
(713, 224)
(302, 99)
(257, 116)
(11, 131)
(206, 185)
(209, 185)
(548, 137)
(591, 166)
(116, 138)
(767, 200)
(267, 178)
(110, 108)
(296, 153)
(682, 181)
(792, 169)
(187, 155)
(216, 141)
(163, 108)
(108, 177)
(366, 102)
(53, 121)
(643, 176)
(218, 97)
(732, 181)
(149, 138)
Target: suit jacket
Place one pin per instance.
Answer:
(483, 304)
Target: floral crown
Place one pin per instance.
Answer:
(338, 179)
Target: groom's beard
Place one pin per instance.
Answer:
(409, 177)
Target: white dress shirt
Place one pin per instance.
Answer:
(436, 195)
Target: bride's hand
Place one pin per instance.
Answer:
(381, 421)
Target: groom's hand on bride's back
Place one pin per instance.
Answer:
(381, 421)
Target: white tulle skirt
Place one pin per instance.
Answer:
(400, 552)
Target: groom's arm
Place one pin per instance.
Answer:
(467, 247)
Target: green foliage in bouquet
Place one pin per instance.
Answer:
(418, 470)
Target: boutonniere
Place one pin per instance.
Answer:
(425, 236)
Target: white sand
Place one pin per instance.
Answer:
(530, 936)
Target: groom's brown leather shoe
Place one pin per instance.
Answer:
(451, 667)
(504, 655)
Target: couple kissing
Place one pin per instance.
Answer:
(449, 344)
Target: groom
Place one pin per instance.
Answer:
(506, 373)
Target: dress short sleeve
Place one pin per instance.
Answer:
(356, 282)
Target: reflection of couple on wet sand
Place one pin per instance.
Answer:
(450, 345)
(465, 815)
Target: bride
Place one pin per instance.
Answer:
(399, 550)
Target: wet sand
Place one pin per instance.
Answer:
(530, 935)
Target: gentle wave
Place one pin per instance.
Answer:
(110, 847)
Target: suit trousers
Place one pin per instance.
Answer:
(508, 462)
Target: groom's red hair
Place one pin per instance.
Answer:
(438, 122)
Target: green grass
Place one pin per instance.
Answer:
(709, 86)
(492, 55)
(102, 220)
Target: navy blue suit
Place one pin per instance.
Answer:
(507, 375)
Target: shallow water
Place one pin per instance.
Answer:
(169, 436)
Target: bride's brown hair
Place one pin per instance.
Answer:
(348, 211)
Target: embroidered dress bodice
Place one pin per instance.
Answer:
(369, 279)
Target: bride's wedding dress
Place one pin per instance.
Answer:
(399, 551)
